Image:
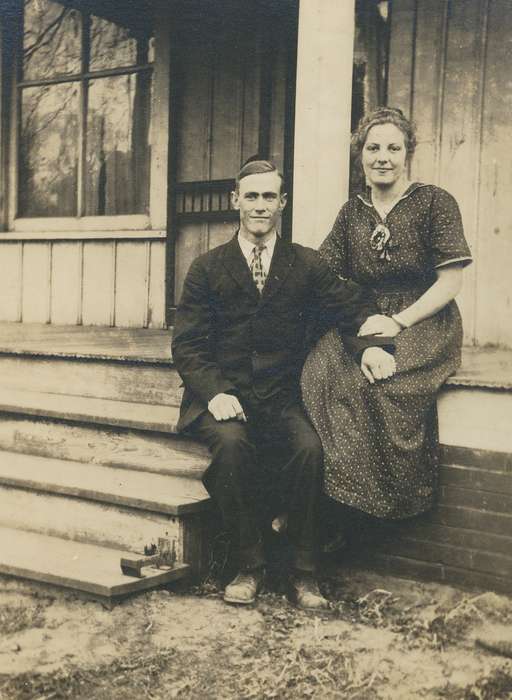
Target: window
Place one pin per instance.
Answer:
(83, 100)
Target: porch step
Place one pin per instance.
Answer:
(82, 567)
(128, 414)
(170, 495)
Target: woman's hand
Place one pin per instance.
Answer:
(376, 363)
(380, 325)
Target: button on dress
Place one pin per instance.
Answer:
(380, 440)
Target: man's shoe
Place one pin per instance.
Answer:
(244, 588)
(305, 593)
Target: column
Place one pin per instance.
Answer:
(322, 116)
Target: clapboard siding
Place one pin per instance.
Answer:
(447, 70)
(99, 283)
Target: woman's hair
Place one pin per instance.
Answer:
(383, 115)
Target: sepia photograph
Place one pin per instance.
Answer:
(255, 349)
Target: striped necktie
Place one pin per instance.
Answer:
(258, 272)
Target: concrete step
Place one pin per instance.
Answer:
(170, 495)
(82, 567)
(143, 450)
(127, 414)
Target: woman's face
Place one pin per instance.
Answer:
(384, 156)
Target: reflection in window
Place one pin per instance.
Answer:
(51, 40)
(49, 154)
(113, 46)
(117, 147)
(84, 138)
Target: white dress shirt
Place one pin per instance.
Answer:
(266, 256)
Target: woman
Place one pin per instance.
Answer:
(404, 240)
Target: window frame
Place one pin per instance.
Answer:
(152, 224)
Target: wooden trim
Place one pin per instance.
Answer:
(289, 124)
(207, 216)
(128, 222)
(160, 117)
(81, 235)
(86, 75)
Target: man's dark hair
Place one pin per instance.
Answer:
(256, 166)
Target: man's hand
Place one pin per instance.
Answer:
(226, 406)
(380, 325)
(376, 363)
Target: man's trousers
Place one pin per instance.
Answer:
(270, 465)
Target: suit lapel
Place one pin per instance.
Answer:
(280, 267)
(236, 266)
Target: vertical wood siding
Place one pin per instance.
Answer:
(448, 69)
(99, 283)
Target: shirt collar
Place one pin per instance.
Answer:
(247, 247)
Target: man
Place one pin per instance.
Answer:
(241, 334)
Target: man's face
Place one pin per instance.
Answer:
(260, 202)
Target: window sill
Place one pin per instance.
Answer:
(144, 234)
(84, 224)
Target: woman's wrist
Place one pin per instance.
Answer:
(401, 321)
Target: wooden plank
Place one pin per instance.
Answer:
(494, 244)
(220, 233)
(429, 64)
(131, 285)
(122, 448)
(172, 495)
(66, 292)
(227, 110)
(75, 565)
(475, 579)
(36, 282)
(278, 106)
(98, 283)
(459, 161)
(156, 287)
(401, 51)
(140, 383)
(135, 344)
(160, 106)
(11, 281)
(141, 416)
(191, 241)
(251, 97)
(85, 521)
(193, 135)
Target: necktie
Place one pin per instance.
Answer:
(258, 272)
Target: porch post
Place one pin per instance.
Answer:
(322, 116)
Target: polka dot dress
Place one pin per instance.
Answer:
(380, 440)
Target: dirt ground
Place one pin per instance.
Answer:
(383, 638)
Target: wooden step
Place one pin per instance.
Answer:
(170, 495)
(82, 567)
(128, 414)
(101, 379)
(117, 447)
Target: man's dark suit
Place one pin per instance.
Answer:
(229, 339)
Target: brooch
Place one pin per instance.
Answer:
(381, 241)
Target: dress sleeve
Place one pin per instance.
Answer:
(334, 248)
(447, 240)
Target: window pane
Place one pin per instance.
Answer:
(48, 154)
(114, 46)
(118, 150)
(51, 40)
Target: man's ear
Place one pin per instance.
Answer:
(235, 199)
(283, 198)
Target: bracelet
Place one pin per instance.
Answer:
(400, 320)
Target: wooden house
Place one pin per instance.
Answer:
(122, 125)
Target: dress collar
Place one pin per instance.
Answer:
(365, 196)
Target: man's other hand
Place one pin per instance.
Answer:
(226, 406)
(376, 363)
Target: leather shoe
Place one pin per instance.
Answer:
(305, 593)
(244, 588)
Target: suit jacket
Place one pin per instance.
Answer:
(230, 339)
